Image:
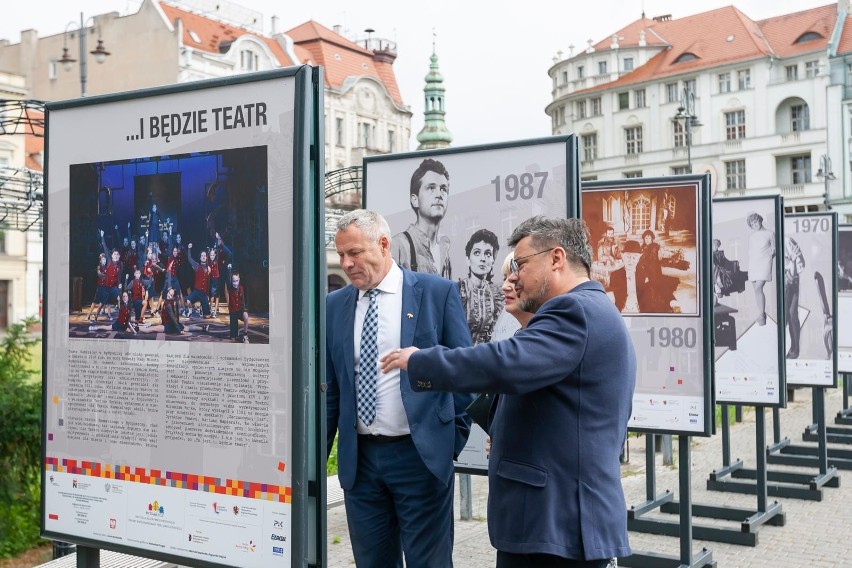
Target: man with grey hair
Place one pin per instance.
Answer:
(395, 446)
(566, 384)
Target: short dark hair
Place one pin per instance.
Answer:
(482, 236)
(427, 165)
(572, 235)
(649, 233)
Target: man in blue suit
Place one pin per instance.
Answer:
(566, 384)
(395, 446)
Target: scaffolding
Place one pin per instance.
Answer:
(21, 189)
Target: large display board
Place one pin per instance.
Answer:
(844, 299)
(488, 191)
(748, 309)
(170, 434)
(650, 240)
(810, 298)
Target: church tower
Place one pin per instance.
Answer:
(434, 134)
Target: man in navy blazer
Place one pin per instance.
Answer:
(396, 464)
(566, 384)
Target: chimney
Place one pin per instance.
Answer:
(338, 29)
(274, 29)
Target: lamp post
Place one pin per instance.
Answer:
(99, 52)
(686, 113)
(827, 174)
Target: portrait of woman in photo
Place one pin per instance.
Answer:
(761, 251)
(654, 290)
(481, 298)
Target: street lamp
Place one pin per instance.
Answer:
(825, 172)
(99, 52)
(686, 113)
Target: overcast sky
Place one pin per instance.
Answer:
(494, 54)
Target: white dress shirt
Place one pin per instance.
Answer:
(391, 419)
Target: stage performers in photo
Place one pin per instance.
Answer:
(101, 291)
(122, 322)
(219, 255)
(607, 251)
(201, 284)
(420, 248)
(149, 271)
(113, 272)
(138, 294)
(237, 308)
(170, 318)
(655, 292)
(761, 251)
(794, 264)
(153, 231)
(481, 298)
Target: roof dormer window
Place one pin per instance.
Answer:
(808, 36)
(686, 56)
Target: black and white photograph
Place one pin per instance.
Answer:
(645, 247)
(844, 298)
(746, 244)
(451, 213)
(171, 248)
(810, 260)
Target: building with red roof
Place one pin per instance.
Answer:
(765, 101)
(176, 41)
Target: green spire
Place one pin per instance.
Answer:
(434, 133)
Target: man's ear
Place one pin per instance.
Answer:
(415, 200)
(384, 244)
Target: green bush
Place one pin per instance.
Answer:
(20, 442)
(331, 464)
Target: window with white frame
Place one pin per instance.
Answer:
(672, 95)
(249, 60)
(623, 101)
(581, 108)
(633, 140)
(338, 128)
(800, 169)
(725, 82)
(590, 146)
(639, 98)
(596, 106)
(51, 69)
(680, 170)
(631, 175)
(735, 174)
(811, 69)
(640, 214)
(628, 64)
(564, 77)
(791, 72)
(800, 118)
(690, 86)
(679, 134)
(602, 67)
(391, 141)
(744, 79)
(580, 71)
(735, 127)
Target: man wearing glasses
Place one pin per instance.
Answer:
(566, 383)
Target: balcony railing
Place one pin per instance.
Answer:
(791, 138)
(794, 190)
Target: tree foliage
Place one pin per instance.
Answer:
(20, 441)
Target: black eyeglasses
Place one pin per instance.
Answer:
(513, 264)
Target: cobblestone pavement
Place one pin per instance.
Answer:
(816, 533)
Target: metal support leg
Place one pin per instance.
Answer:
(88, 557)
(465, 493)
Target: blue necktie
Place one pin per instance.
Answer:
(369, 369)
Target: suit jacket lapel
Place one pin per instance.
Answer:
(347, 324)
(412, 291)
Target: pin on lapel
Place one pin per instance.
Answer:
(409, 316)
